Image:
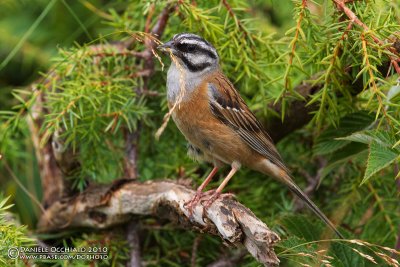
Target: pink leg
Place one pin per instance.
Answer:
(193, 202)
(217, 192)
(207, 180)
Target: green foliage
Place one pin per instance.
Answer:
(267, 49)
(382, 150)
(91, 101)
(329, 141)
(300, 248)
(11, 234)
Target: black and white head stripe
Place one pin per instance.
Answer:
(196, 53)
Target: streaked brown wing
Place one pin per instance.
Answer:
(229, 107)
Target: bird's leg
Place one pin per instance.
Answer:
(193, 202)
(217, 193)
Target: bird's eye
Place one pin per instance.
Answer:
(190, 48)
(186, 48)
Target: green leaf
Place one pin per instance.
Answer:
(380, 156)
(301, 226)
(345, 256)
(381, 151)
(360, 137)
(3, 203)
(294, 248)
(394, 94)
(351, 151)
(328, 142)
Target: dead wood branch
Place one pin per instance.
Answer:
(132, 230)
(132, 139)
(51, 175)
(108, 205)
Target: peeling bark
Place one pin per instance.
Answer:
(50, 173)
(104, 206)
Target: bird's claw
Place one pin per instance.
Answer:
(207, 203)
(191, 204)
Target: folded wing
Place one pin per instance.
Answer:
(228, 106)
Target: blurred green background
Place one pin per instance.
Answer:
(41, 35)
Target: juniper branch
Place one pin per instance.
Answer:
(394, 59)
(298, 113)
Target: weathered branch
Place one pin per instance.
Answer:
(132, 230)
(131, 153)
(108, 205)
(131, 139)
(157, 31)
(51, 175)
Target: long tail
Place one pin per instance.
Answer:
(296, 190)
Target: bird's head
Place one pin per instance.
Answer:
(193, 52)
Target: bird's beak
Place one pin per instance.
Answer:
(166, 46)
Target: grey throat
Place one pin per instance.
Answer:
(190, 81)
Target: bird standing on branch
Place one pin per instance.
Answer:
(216, 121)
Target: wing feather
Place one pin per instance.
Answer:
(229, 107)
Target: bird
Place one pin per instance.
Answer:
(217, 123)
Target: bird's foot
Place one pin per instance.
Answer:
(215, 195)
(191, 204)
(208, 202)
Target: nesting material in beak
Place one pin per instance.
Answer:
(165, 47)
